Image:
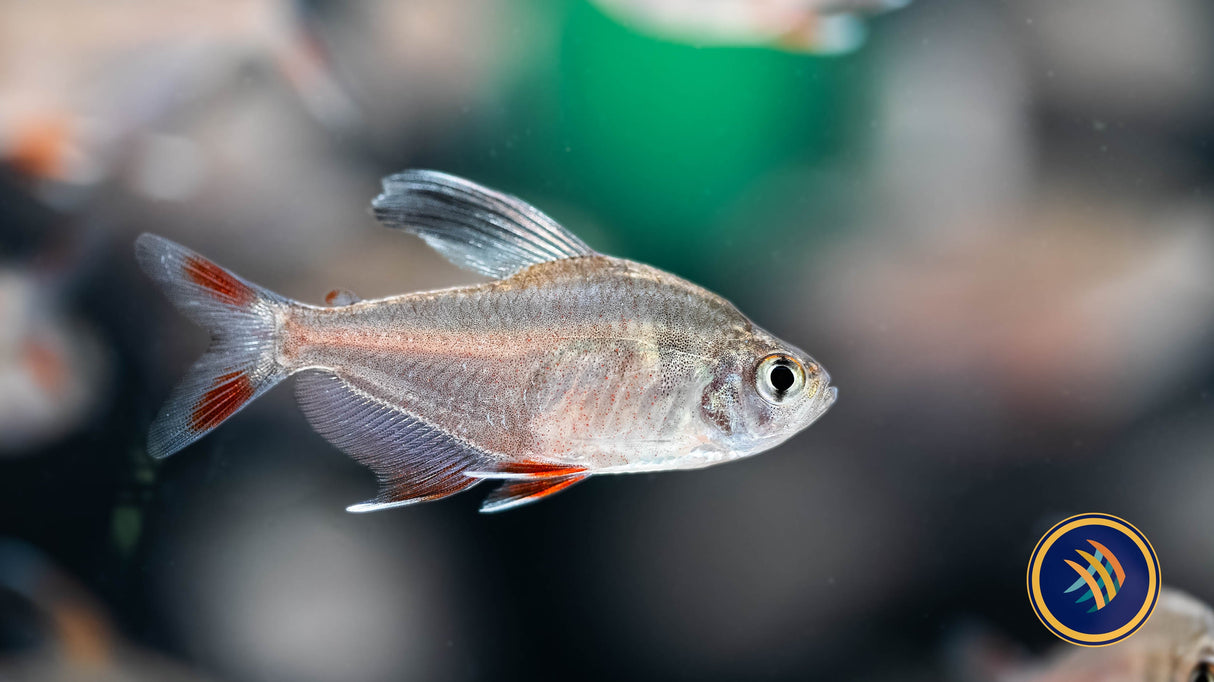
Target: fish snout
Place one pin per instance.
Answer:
(828, 393)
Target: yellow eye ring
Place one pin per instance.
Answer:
(778, 376)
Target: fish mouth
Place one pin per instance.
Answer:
(829, 396)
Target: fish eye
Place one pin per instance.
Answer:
(778, 376)
(1204, 672)
(781, 378)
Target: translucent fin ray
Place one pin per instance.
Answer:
(472, 226)
(240, 364)
(413, 460)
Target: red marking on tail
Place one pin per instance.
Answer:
(539, 469)
(221, 283)
(230, 392)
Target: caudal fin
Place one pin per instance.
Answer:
(241, 363)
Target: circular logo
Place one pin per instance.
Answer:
(1093, 579)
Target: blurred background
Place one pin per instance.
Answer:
(992, 221)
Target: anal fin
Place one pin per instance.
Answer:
(527, 471)
(516, 493)
(414, 461)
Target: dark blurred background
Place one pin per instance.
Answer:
(992, 221)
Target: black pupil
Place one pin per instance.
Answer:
(781, 378)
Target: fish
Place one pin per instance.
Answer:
(73, 637)
(828, 27)
(567, 365)
(1076, 321)
(1176, 644)
(54, 373)
(86, 87)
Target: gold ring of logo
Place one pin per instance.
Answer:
(1034, 579)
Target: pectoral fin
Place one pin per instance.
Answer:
(516, 493)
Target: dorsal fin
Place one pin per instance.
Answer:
(472, 226)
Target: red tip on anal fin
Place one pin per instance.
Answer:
(222, 284)
(539, 470)
(229, 393)
(516, 493)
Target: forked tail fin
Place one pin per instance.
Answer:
(241, 363)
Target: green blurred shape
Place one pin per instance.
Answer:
(709, 162)
(663, 136)
(126, 525)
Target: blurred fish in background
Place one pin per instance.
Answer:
(815, 26)
(55, 631)
(1058, 310)
(211, 117)
(80, 99)
(54, 369)
(1175, 645)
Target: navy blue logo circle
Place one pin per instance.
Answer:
(1093, 579)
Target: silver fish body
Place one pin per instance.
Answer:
(592, 361)
(571, 364)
